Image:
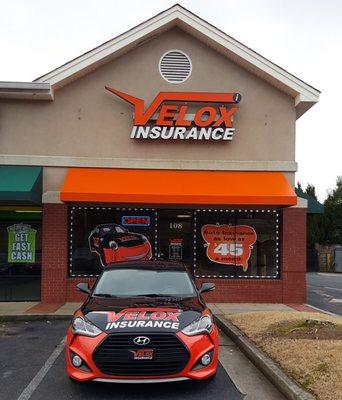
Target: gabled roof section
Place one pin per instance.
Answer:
(305, 96)
(26, 90)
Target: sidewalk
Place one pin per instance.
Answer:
(36, 309)
(14, 309)
(235, 308)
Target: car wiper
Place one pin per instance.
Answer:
(103, 295)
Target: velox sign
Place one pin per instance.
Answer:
(170, 116)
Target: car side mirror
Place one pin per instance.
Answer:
(207, 287)
(83, 287)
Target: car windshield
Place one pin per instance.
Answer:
(112, 229)
(130, 282)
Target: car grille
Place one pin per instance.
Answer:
(113, 356)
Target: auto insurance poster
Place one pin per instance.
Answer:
(229, 244)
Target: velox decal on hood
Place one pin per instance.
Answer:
(143, 319)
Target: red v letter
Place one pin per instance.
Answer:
(140, 117)
(113, 316)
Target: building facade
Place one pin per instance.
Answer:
(172, 140)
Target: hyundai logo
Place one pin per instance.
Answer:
(141, 340)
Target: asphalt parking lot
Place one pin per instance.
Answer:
(26, 349)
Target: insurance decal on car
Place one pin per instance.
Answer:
(143, 319)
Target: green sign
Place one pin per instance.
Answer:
(21, 244)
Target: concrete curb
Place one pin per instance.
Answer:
(266, 365)
(34, 317)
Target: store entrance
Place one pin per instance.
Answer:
(20, 254)
(175, 236)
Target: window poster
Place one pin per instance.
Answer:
(236, 244)
(176, 249)
(103, 235)
(229, 244)
(21, 244)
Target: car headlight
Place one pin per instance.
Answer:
(81, 326)
(201, 325)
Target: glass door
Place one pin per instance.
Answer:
(20, 254)
(175, 236)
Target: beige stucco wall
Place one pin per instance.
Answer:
(85, 120)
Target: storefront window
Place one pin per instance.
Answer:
(213, 243)
(236, 244)
(102, 235)
(20, 255)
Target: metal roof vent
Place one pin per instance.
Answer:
(175, 66)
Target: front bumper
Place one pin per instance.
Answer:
(197, 346)
(145, 380)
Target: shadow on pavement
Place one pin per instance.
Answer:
(57, 385)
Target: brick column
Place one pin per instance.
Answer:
(293, 255)
(243, 290)
(54, 253)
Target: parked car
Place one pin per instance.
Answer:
(114, 243)
(143, 322)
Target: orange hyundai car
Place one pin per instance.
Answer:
(142, 322)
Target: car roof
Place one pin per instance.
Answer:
(109, 224)
(150, 265)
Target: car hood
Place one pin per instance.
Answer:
(142, 314)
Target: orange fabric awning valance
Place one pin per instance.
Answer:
(143, 186)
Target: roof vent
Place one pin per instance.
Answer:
(175, 66)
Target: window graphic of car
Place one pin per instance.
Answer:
(143, 322)
(114, 243)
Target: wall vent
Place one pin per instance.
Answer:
(175, 66)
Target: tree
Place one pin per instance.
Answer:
(314, 228)
(311, 191)
(313, 220)
(331, 226)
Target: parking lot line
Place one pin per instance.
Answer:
(332, 288)
(32, 386)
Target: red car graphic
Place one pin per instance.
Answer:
(114, 243)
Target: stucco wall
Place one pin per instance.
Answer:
(86, 120)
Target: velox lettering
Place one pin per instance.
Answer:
(175, 122)
(143, 319)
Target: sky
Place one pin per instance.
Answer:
(302, 36)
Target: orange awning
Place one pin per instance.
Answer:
(176, 187)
